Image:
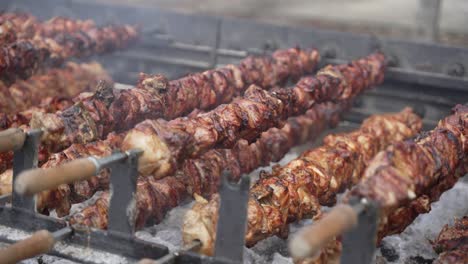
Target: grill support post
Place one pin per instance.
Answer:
(359, 243)
(123, 182)
(232, 219)
(428, 17)
(26, 158)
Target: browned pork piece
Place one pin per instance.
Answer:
(48, 92)
(196, 176)
(66, 82)
(410, 170)
(109, 111)
(298, 189)
(409, 175)
(16, 26)
(28, 44)
(20, 120)
(404, 216)
(452, 243)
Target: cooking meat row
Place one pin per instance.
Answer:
(28, 44)
(298, 189)
(367, 71)
(154, 97)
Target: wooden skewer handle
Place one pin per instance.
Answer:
(39, 243)
(11, 139)
(311, 239)
(34, 181)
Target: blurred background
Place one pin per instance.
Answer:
(444, 21)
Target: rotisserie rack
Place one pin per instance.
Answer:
(218, 99)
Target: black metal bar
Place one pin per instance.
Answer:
(432, 79)
(123, 193)
(29, 221)
(230, 232)
(23, 159)
(214, 52)
(359, 243)
(172, 257)
(6, 198)
(63, 233)
(428, 16)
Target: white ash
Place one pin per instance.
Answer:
(82, 253)
(13, 234)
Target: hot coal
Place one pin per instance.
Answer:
(389, 252)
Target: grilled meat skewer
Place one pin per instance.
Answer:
(356, 71)
(197, 176)
(258, 110)
(407, 170)
(28, 45)
(66, 82)
(49, 92)
(298, 189)
(167, 143)
(108, 111)
(452, 243)
(21, 119)
(406, 177)
(201, 176)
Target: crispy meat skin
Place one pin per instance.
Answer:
(30, 44)
(66, 82)
(449, 163)
(452, 243)
(167, 143)
(452, 237)
(62, 197)
(155, 97)
(298, 189)
(415, 172)
(456, 256)
(405, 215)
(20, 120)
(48, 92)
(201, 176)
